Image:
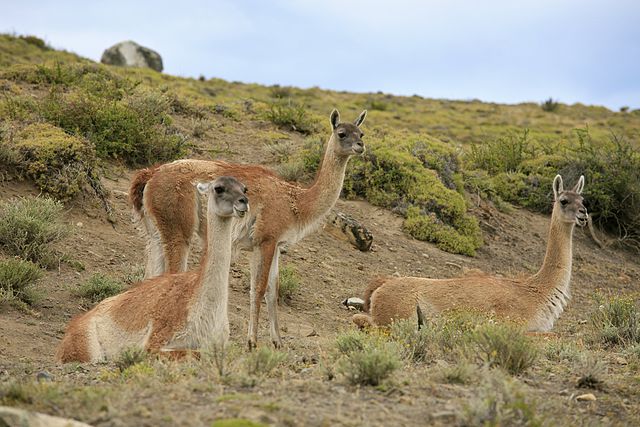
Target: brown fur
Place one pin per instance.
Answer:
(156, 310)
(535, 300)
(373, 285)
(138, 184)
(281, 211)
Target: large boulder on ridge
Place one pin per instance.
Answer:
(131, 54)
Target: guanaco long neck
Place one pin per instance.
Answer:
(213, 294)
(318, 199)
(555, 274)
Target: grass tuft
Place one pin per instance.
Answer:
(17, 279)
(367, 359)
(616, 321)
(505, 346)
(263, 361)
(29, 227)
(289, 283)
(99, 287)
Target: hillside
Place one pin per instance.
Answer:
(105, 122)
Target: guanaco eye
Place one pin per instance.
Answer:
(563, 202)
(245, 190)
(342, 134)
(219, 189)
(361, 134)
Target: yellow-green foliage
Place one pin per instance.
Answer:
(118, 116)
(616, 321)
(29, 227)
(60, 164)
(17, 279)
(419, 177)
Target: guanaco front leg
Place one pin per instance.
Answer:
(272, 300)
(261, 262)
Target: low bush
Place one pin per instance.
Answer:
(500, 401)
(61, 165)
(29, 227)
(289, 283)
(129, 357)
(520, 170)
(418, 177)
(17, 280)
(550, 105)
(367, 359)
(99, 287)
(290, 115)
(616, 321)
(263, 361)
(505, 346)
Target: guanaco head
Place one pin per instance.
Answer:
(348, 136)
(568, 204)
(229, 196)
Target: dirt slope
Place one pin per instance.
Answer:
(331, 270)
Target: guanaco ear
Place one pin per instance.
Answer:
(203, 187)
(335, 118)
(558, 187)
(360, 118)
(580, 185)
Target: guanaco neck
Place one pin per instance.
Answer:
(555, 274)
(213, 293)
(317, 200)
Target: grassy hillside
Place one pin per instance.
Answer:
(437, 169)
(66, 118)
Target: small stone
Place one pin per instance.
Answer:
(313, 250)
(587, 397)
(426, 256)
(44, 376)
(79, 224)
(620, 360)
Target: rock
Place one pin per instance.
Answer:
(20, 417)
(131, 54)
(587, 397)
(347, 228)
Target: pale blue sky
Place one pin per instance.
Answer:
(494, 50)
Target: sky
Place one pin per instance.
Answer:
(493, 50)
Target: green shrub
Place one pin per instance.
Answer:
(129, 357)
(367, 359)
(500, 401)
(520, 171)
(505, 346)
(99, 287)
(17, 279)
(351, 341)
(616, 321)
(291, 116)
(29, 227)
(415, 344)
(461, 372)
(264, 360)
(35, 41)
(289, 283)
(136, 128)
(418, 177)
(612, 188)
(550, 105)
(61, 165)
(501, 155)
(590, 371)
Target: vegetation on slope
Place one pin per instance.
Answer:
(423, 155)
